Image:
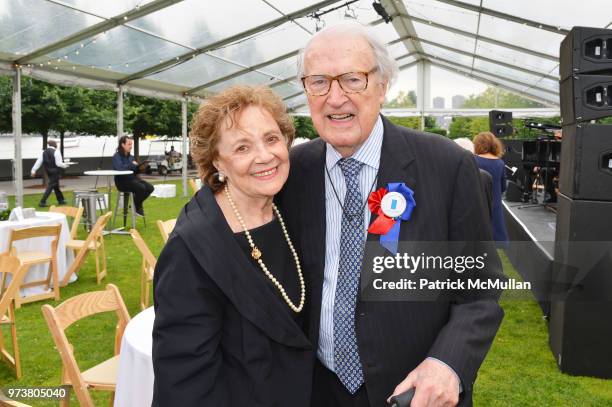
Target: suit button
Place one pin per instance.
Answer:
(362, 314)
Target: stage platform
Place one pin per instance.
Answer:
(531, 230)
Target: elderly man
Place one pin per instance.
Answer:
(370, 350)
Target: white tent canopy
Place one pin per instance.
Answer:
(181, 49)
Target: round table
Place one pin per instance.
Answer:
(108, 174)
(39, 272)
(135, 374)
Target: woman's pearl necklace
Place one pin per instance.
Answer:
(256, 254)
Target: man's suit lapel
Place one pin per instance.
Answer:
(396, 158)
(202, 225)
(396, 163)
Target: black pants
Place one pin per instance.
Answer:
(141, 189)
(328, 391)
(53, 185)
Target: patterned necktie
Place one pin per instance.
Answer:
(346, 355)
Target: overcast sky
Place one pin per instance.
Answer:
(443, 84)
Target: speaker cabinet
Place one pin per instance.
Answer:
(586, 50)
(581, 302)
(514, 193)
(586, 97)
(500, 123)
(500, 117)
(586, 162)
(502, 130)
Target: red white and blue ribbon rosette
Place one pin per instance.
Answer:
(393, 205)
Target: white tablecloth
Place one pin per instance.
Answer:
(108, 173)
(39, 272)
(164, 191)
(135, 376)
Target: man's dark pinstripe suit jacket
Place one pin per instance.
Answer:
(394, 337)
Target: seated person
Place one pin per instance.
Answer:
(122, 161)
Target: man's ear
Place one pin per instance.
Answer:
(384, 88)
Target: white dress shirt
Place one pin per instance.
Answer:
(369, 155)
(58, 160)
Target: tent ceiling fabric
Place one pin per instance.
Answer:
(174, 48)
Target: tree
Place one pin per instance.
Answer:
(467, 126)
(304, 128)
(42, 107)
(505, 100)
(6, 104)
(154, 116)
(403, 100)
(99, 116)
(410, 122)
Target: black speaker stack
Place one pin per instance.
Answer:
(581, 307)
(500, 123)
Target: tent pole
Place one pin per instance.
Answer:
(119, 112)
(17, 160)
(184, 120)
(423, 89)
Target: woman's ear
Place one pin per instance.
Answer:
(216, 164)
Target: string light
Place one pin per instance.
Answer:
(76, 51)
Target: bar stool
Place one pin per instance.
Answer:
(90, 200)
(127, 203)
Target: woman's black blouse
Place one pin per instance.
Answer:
(277, 257)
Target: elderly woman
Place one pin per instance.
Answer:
(229, 290)
(489, 150)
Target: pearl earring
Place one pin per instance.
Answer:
(221, 177)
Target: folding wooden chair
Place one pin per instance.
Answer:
(104, 375)
(72, 212)
(32, 258)
(93, 243)
(10, 266)
(165, 228)
(148, 267)
(5, 402)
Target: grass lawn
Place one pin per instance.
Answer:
(519, 370)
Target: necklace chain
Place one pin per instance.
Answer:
(256, 254)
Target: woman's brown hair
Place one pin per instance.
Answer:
(487, 143)
(227, 105)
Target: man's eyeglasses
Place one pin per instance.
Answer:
(350, 82)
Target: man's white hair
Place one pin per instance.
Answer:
(386, 64)
(466, 143)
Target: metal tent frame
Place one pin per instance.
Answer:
(452, 35)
